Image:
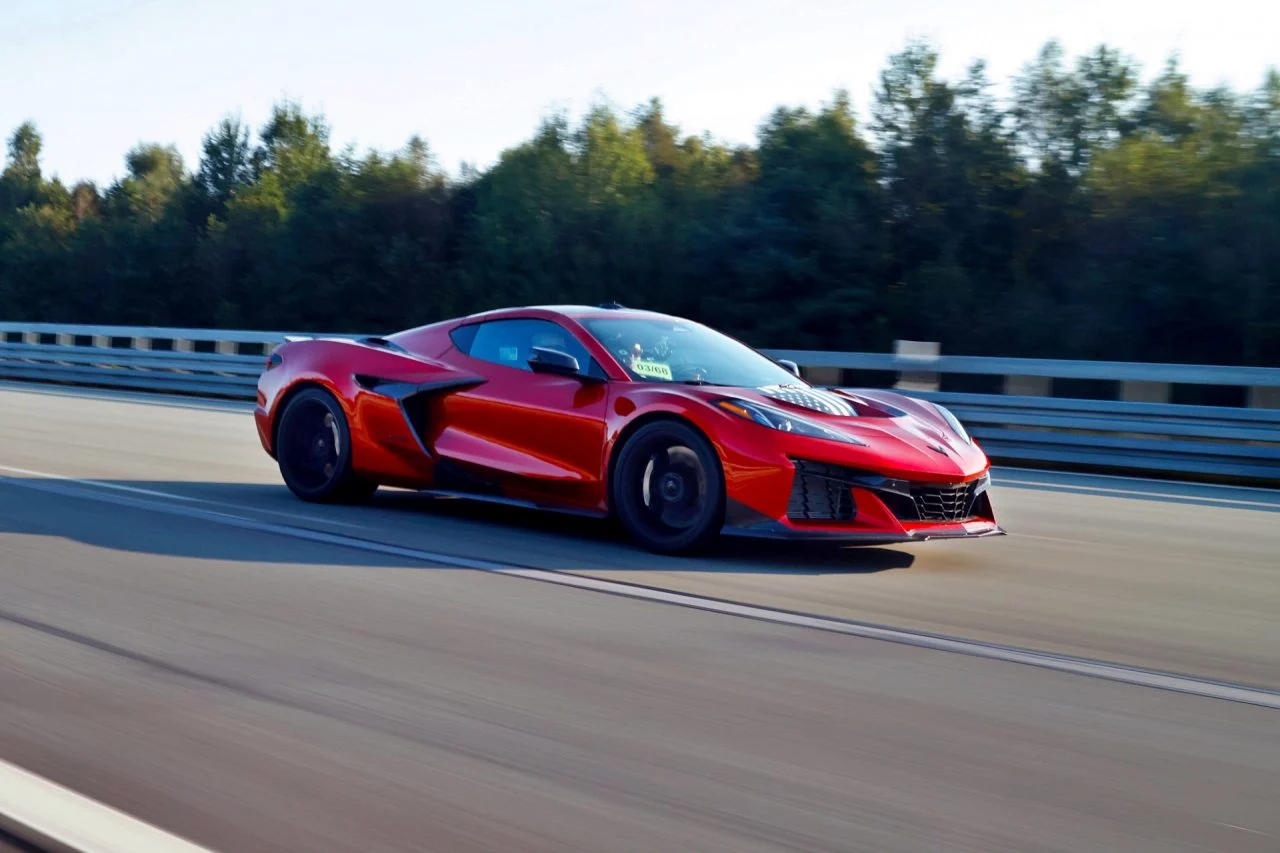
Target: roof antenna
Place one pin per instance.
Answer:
(612, 306)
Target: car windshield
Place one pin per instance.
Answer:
(671, 350)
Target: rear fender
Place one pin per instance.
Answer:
(384, 391)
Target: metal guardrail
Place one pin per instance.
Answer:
(1125, 371)
(1139, 431)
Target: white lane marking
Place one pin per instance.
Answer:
(172, 496)
(1241, 828)
(1074, 479)
(1131, 494)
(1090, 543)
(1074, 542)
(120, 395)
(973, 648)
(47, 814)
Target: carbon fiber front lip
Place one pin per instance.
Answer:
(776, 530)
(925, 534)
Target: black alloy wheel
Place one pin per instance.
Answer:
(314, 450)
(668, 488)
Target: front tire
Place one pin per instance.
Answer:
(314, 450)
(668, 488)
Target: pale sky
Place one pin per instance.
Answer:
(475, 76)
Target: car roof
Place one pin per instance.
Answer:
(576, 312)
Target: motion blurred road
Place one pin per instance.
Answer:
(256, 691)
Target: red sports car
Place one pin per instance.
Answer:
(678, 431)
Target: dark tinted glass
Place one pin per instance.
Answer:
(669, 350)
(511, 343)
(463, 336)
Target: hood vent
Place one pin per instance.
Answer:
(810, 398)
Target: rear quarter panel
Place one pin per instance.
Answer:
(383, 445)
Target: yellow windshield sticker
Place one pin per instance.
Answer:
(652, 369)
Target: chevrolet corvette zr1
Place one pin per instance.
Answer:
(680, 432)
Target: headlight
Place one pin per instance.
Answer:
(768, 416)
(953, 422)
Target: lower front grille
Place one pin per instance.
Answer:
(824, 492)
(944, 503)
(817, 495)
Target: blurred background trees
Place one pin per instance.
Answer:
(1087, 216)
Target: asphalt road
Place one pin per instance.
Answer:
(10, 844)
(254, 691)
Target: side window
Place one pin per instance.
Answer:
(463, 336)
(511, 343)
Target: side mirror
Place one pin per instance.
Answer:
(546, 360)
(790, 365)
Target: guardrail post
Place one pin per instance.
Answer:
(227, 348)
(817, 375)
(1141, 391)
(141, 343)
(1264, 398)
(917, 380)
(1028, 386)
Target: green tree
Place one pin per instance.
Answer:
(952, 184)
(154, 179)
(1064, 117)
(20, 183)
(1089, 216)
(227, 162)
(802, 261)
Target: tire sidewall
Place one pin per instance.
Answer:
(625, 501)
(341, 478)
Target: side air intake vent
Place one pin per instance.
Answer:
(381, 342)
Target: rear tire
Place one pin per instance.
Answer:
(314, 450)
(668, 488)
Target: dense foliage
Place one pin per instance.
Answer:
(1091, 216)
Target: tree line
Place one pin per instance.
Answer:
(1086, 215)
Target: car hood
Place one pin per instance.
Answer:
(900, 433)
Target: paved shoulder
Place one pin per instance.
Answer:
(1183, 579)
(257, 693)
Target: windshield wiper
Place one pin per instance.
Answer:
(703, 382)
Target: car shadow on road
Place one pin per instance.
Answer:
(729, 554)
(175, 519)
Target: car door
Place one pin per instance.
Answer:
(529, 436)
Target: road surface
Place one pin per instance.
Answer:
(253, 689)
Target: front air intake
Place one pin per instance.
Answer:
(823, 492)
(820, 493)
(944, 503)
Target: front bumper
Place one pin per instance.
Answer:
(262, 421)
(831, 502)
